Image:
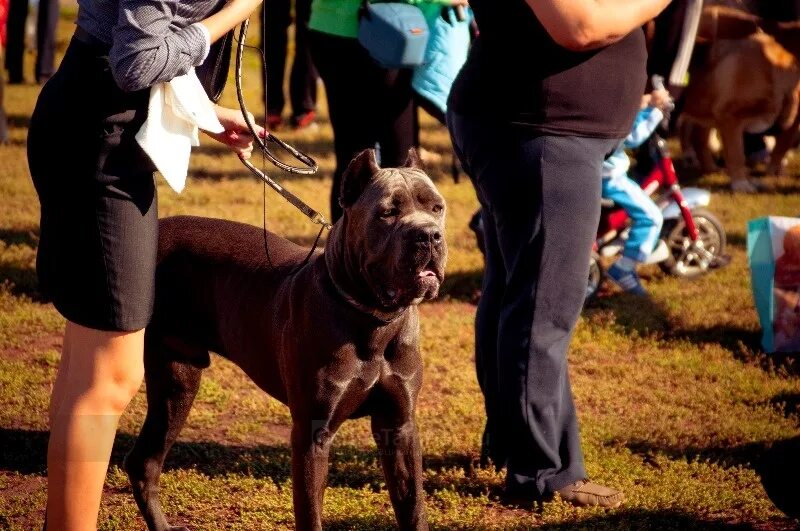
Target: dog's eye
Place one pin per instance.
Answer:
(437, 208)
(389, 212)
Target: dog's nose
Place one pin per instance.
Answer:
(428, 235)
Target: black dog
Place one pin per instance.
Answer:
(336, 339)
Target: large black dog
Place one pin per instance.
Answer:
(336, 338)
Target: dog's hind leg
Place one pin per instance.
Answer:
(785, 141)
(171, 388)
(401, 457)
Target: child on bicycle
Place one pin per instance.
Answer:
(646, 218)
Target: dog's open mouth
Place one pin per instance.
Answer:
(424, 285)
(429, 278)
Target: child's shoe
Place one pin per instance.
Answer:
(627, 279)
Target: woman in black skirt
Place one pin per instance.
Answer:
(97, 250)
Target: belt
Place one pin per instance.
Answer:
(87, 38)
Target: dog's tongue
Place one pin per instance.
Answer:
(426, 273)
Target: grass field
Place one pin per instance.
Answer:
(678, 406)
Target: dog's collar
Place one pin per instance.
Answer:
(383, 317)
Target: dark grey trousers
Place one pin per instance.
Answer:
(540, 197)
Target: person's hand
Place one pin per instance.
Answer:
(236, 135)
(660, 99)
(464, 3)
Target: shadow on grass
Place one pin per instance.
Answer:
(28, 236)
(618, 519)
(462, 286)
(24, 451)
(19, 120)
(745, 345)
(22, 278)
(777, 464)
(645, 316)
(640, 315)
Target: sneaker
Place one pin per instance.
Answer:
(274, 121)
(626, 279)
(584, 493)
(301, 121)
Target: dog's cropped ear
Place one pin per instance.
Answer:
(413, 160)
(358, 174)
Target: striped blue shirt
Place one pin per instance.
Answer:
(151, 40)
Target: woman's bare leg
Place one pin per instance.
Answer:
(98, 375)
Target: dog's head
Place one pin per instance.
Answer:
(390, 240)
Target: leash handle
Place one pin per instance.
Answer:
(309, 165)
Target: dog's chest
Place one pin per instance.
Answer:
(366, 374)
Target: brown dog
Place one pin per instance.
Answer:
(745, 85)
(335, 338)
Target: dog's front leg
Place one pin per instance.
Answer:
(401, 457)
(311, 447)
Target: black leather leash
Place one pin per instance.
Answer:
(308, 165)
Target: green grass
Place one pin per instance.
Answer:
(677, 404)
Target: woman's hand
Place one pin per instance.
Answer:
(236, 135)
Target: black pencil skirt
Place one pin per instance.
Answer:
(99, 222)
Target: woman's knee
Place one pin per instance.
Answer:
(105, 369)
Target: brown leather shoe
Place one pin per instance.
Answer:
(584, 493)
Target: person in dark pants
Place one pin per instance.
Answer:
(303, 77)
(533, 138)
(367, 104)
(15, 48)
(46, 23)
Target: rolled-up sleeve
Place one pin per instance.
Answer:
(147, 49)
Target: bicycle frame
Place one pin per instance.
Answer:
(662, 175)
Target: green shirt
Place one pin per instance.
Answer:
(340, 17)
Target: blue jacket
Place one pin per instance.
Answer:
(446, 53)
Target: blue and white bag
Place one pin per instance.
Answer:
(394, 34)
(773, 250)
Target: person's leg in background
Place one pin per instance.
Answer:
(396, 116)
(353, 86)
(303, 79)
(274, 44)
(46, 25)
(15, 47)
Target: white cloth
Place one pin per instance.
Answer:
(177, 110)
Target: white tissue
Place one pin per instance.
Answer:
(177, 110)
